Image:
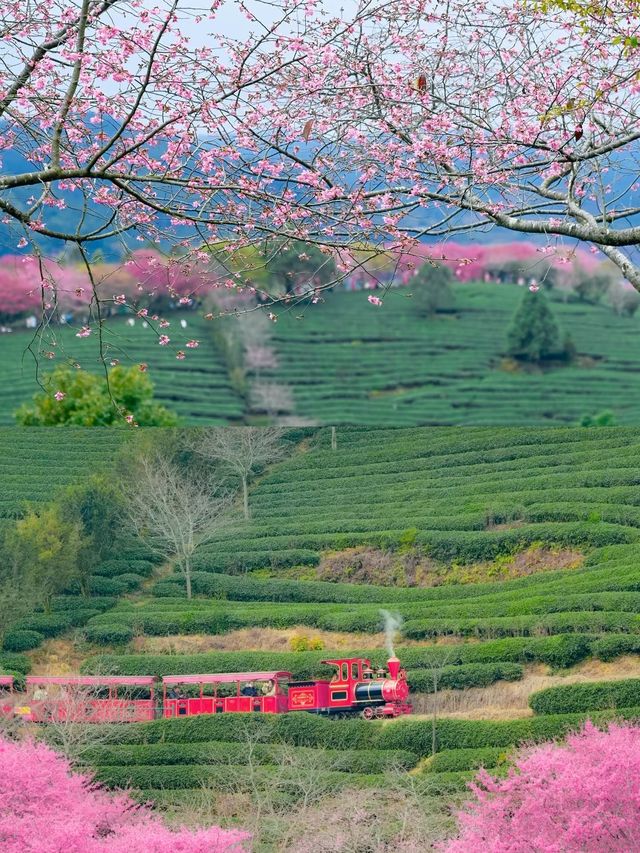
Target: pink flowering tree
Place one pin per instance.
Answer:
(581, 795)
(361, 131)
(46, 807)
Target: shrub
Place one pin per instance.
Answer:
(22, 641)
(305, 644)
(462, 677)
(563, 650)
(122, 566)
(612, 646)
(598, 696)
(108, 634)
(12, 662)
(466, 759)
(130, 580)
(47, 624)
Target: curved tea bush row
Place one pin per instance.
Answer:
(463, 676)
(598, 696)
(413, 736)
(234, 778)
(453, 760)
(562, 650)
(224, 753)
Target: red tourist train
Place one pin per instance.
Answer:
(354, 689)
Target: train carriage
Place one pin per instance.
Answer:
(88, 698)
(264, 692)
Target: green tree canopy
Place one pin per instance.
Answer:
(534, 335)
(431, 287)
(42, 553)
(294, 262)
(95, 508)
(78, 398)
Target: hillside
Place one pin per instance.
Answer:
(350, 362)
(34, 462)
(346, 361)
(526, 547)
(197, 389)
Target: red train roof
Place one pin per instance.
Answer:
(224, 678)
(6, 680)
(94, 680)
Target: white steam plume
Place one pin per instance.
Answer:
(392, 624)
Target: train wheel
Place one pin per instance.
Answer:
(368, 714)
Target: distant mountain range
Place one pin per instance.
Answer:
(112, 249)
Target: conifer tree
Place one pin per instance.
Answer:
(534, 335)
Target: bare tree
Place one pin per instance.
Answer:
(172, 511)
(241, 450)
(66, 726)
(272, 398)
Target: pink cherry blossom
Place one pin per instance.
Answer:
(46, 807)
(374, 300)
(583, 795)
(59, 395)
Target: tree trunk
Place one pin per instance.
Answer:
(435, 717)
(334, 439)
(245, 498)
(187, 576)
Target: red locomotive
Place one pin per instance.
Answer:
(354, 688)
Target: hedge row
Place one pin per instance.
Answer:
(124, 565)
(578, 698)
(221, 753)
(452, 760)
(109, 634)
(233, 778)
(465, 546)
(413, 736)
(552, 623)
(601, 573)
(431, 785)
(218, 619)
(463, 677)
(561, 650)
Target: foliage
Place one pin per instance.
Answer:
(43, 549)
(579, 795)
(108, 634)
(21, 640)
(46, 807)
(602, 419)
(595, 696)
(534, 335)
(94, 506)
(294, 265)
(593, 286)
(89, 401)
(432, 292)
